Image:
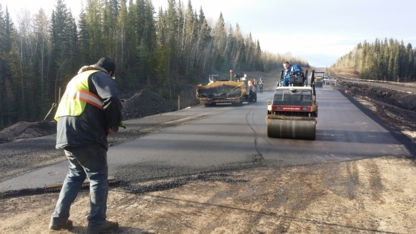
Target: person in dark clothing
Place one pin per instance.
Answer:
(90, 109)
(261, 85)
(290, 69)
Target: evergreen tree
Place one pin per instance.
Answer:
(41, 25)
(122, 28)
(150, 26)
(220, 39)
(204, 43)
(410, 62)
(239, 48)
(108, 33)
(62, 30)
(2, 68)
(383, 60)
(84, 56)
(171, 21)
(10, 70)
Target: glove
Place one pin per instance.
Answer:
(121, 124)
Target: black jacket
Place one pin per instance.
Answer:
(92, 125)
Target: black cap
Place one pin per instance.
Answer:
(108, 64)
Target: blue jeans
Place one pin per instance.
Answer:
(286, 81)
(86, 161)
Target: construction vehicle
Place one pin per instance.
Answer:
(319, 79)
(223, 90)
(294, 110)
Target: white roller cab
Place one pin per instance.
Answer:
(293, 111)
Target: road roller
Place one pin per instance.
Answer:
(293, 112)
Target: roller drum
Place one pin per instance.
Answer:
(296, 129)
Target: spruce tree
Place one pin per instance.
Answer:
(410, 62)
(62, 30)
(83, 40)
(2, 69)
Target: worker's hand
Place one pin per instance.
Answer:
(110, 131)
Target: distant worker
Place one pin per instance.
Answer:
(90, 110)
(250, 85)
(255, 84)
(290, 69)
(261, 85)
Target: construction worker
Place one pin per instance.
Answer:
(290, 69)
(90, 109)
(261, 85)
(250, 85)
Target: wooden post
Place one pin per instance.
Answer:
(179, 102)
(59, 95)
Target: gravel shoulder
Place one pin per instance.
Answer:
(365, 196)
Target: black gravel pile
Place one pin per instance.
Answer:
(145, 103)
(25, 130)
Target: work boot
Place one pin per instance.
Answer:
(67, 225)
(108, 226)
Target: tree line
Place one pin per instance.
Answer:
(388, 60)
(159, 51)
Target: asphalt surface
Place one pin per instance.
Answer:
(232, 138)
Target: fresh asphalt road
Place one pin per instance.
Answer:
(234, 137)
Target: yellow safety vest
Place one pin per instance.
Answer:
(77, 95)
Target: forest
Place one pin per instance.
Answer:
(388, 60)
(158, 50)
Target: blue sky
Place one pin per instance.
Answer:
(319, 31)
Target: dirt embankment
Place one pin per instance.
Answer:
(396, 108)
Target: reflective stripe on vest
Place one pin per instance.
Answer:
(77, 95)
(85, 96)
